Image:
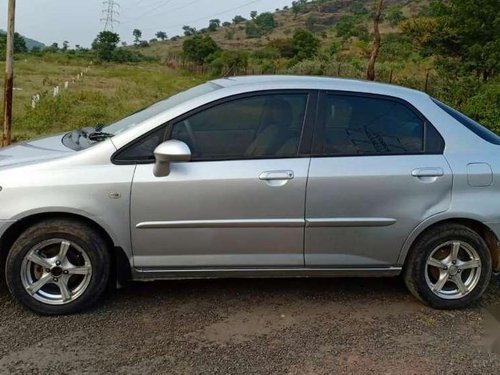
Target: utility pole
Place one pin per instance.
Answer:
(9, 75)
(111, 13)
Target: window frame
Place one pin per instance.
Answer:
(305, 142)
(319, 137)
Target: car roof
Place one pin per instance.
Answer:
(318, 83)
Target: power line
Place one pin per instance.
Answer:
(111, 14)
(204, 17)
(157, 6)
(217, 14)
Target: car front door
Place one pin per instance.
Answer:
(240, 202)
(377, 172)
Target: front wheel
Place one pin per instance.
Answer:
(58, 267)
(449, 267)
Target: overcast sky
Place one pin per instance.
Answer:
(78, 21)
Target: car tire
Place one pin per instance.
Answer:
(449, 267)
(58, 267)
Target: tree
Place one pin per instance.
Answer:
(213, 24)
(394, 15)
(358, 8)
(226, 24)
(253, 14)
(345, 26)
(298, 7)
(266, 22)
(238, 19)
(305, 44)
(462, 33)
(162, 35)
(137, 36)
(188, 30)
(19, 43)
(252, 30)
(65, 46)
(370, 73)
(105, 44)
(199, 48)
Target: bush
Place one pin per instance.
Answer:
(308, 67)
(305, 45)
(252, 30)
(230, 61)
(199, 48)
(285, 47)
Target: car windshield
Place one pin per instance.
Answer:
(86, 137)
(159, 107)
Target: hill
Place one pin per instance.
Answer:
(30, 43)
(320, 17)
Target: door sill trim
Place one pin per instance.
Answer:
(214, 272)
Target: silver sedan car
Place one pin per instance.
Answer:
(268, 176)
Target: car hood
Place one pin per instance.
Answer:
(36, 150)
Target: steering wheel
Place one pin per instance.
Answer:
(190, 134)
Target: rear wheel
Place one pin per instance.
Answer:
(449, 267)
(58, 267)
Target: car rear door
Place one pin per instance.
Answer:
(377, 172)
(240, 202)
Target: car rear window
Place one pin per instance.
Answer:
(470, 124)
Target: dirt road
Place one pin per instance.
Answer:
(297, 326)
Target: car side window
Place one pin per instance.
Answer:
(142, 150)
(261, 126)
(363, 125)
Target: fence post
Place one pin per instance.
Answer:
(390, 76)
(338, 71)
(427, 82)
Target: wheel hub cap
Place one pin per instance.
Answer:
(453, 270)
(56, 272)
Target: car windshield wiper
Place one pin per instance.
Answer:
(99, 136)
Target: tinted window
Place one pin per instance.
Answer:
(159, 107)
(470, 124)
(143, 149)
(357, 125)
(253, 127)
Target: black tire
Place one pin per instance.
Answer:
(416, 265)
(77, 233)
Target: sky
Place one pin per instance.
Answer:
(78, 21)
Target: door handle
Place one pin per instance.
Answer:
(276, 175)
(427, 172)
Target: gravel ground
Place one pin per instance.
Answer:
(285, 326)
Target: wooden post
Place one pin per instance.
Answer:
(9, 75)
(390, 76)
(427, 82)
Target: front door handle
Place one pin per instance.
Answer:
(276, 175)
(428, 172)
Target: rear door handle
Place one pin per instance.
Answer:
(427, 172)
(276, 175)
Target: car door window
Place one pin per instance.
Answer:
(261, 126)
(359, 125)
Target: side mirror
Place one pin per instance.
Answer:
(167, 152)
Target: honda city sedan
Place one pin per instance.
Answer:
(268, 176)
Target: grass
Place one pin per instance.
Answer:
(106, 93)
